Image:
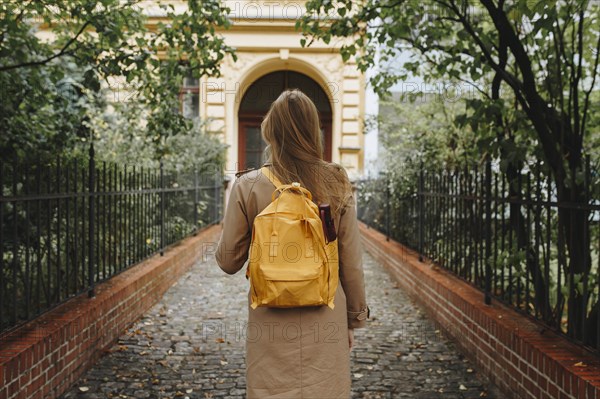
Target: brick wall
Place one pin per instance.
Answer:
(515, 352)
(42, 358)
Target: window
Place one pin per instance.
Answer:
(189, 97)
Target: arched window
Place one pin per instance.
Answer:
(256, 103)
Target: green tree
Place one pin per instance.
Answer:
(71, 71)
(55, 55)
(117, 139)
(535, 64)
(422, 128)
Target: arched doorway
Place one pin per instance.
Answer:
(256, 103)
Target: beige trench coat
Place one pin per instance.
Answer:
(295, 353)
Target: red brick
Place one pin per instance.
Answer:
(592, 392)
(46, 390)
(38, 394)
(542, 382)
(24, 379)
(536, 391)
(38, 382)
(545, 369)
(51, 371)
(581, 388)
(13, 388)
(566, 382)
(528, 384)
(532, 373)
(563, 395)
(467, 316)
(58, 339)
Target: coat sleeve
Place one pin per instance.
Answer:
(351, 267)
(234, 244)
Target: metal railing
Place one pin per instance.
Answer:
(67, 225)
(509, 237)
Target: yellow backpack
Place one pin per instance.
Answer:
(291, 264)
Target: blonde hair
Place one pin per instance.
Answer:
(292, 130)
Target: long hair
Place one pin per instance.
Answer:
(292, 130)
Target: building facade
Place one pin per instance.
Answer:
(270, 59)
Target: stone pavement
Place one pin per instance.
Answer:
(191, 345)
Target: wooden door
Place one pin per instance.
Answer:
(251, 143)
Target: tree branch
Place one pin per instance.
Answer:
(17, 20)
(544, 118)
(424, 50)
(508, 77)
(559, 65)
(572, 78)
(503, 59)
(561, 56)
(577, 117)
(587, 93)
(63, 51)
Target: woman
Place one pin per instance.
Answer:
(297, 352)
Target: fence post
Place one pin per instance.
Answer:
(387, 206)
(488, 231)
(195, 201)
(221, 196)
(420, 216)
(3, 318)
(587, 240)
(162, 208)
(215, 219)
(91, 225)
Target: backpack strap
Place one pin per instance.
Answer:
(271, 176)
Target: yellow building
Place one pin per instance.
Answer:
(271, 58)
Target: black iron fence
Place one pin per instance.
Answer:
(505, 233)
(70, 224)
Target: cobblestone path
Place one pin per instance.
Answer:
(191, 345)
